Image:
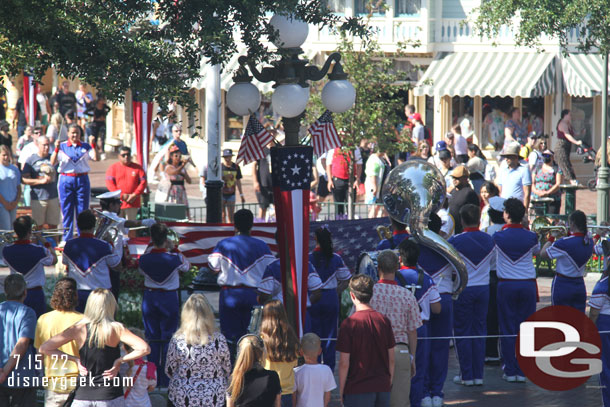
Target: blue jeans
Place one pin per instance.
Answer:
(286, 400)
(367, 400)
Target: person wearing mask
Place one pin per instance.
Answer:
(565, 138)
(461, 195)
(514, 179)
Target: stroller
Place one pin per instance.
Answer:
(589, 157)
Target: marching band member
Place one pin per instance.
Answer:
(335, 276)
(572, 253)
(440, 325)
(399, 234)
(160, 305)
(240, 261)
(470, 309)
(429, 301)
(89, 259)
(495, 213)
(600, 315)
(73, 185)
(517, 290)
(29, 259)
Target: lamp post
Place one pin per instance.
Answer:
(290, 75)
(602, 175)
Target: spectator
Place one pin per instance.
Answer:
(488, 191)
(514, 129)
(29, 150)
(365, 149)
(84, 99)
(261, 180)
(97, 128)
(514, 179)
(423, 151)
(231, 177)
(20, 121)
(65, 98)
(446, 167)
(546, 180)
(18, 327)
(282, 347)
(63, 316)
(366, 350)
(322, 187)
(338, 162)
(10, 189)
(5, 137)
(477, 166)
(251, 384)
(198, 362)
(41, 176)
(54, 129)
(461, 145)
(130, 178)
(176, 175)
(29, 259)
(418, 134)
(68, 119)
(461, 195)
(374, 170)
(531, 149)
(399, 305)
(144, 377)
(159, 130)
(24, 140)
(313, 382)
(98, 337)
(177, 141)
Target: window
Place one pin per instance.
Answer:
(582, 119)
(407, 8)
(364, 7)
(336, 6)
(234, 125)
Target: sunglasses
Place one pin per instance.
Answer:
(124, 155)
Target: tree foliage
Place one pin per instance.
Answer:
(154, 47)
(533, 18)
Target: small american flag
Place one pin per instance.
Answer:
(324, 135)
(255, 139)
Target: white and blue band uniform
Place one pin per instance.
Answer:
(73, 184)
(470, 309)
(572, 254)
(89, 260)
(517, 288)
(600, 304)
(426, 295)
(29, 259)
(240, 261)
(324, 314)
(160, 305)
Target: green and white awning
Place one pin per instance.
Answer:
(583, 74)
(489, 74)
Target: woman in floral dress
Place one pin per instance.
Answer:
(546, 180)
(177, 175)
(198, 362)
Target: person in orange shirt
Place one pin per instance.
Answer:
(130, 178)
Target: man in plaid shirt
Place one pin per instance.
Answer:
(399, 305)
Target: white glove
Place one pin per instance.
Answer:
(148, 222)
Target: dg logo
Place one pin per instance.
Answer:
(559, 348)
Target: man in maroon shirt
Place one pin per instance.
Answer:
(366, 351)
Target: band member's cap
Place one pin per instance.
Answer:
(110, 195)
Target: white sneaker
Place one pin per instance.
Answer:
(426, 402)
(510, 379)
(458, 380)
(520, 379)
(437, 401)
(478, 382)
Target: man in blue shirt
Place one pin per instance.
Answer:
(515, 179)
(17, 355)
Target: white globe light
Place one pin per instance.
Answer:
(290, 100)
(243, 98)
(292, 32)
(338, 96)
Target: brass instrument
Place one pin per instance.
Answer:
(107, 226)
(384, 232)
(7, 237)
(173, 237)
(256, 318)
(413, 191)
(602, 230)
(543, 226)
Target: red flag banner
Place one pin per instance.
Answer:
(30, 90)
(142, 120)
(253, 142)
(324, 135)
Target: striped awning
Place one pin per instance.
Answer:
(226, 75)
(489, 74)
(583, 74)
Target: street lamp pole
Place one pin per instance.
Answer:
(213, 183)
(602, 175)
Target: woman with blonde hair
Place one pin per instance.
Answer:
(198, 362)
(98, 337)
(252, 385)
(281, 346)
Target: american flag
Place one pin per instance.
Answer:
(324, 135)
(30, 104)
(197, 240)
(255, 139)
(142, 120)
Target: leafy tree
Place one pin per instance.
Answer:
(155, 47)
(533, 18)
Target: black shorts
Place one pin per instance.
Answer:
(264, 197)
(322, 190)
